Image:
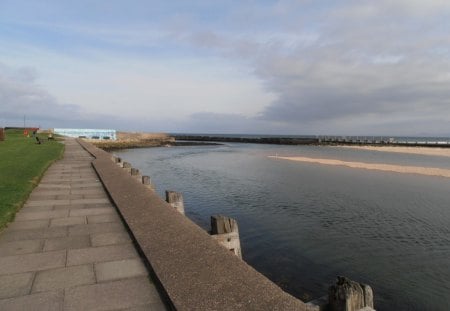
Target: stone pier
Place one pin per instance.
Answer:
(68, 248)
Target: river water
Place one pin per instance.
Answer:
(302, 224)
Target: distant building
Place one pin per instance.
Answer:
(87, 133)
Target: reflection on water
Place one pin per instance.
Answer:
(303, 224)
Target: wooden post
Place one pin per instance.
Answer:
(347, 295)
(176, 200)
(2, 134)
(146, 181)
(136, 174)
(319, 304)
(127, 166)
(116, 159)
(119, 162)
(225, 231)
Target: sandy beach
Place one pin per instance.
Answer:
(430, 171)
(442, 152)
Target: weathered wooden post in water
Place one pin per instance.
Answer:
(135, 173)
(347, 295)
(127, 167)
(146, 181)
(176, 200)
(225, 230)
(117, 160)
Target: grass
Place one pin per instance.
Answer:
(22, 164)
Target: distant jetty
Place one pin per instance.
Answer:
(321, 140)
(126, 140)
(250, 140)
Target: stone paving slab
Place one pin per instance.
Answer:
(97, 219)
(97, 190)
(70, 242)
(29, 224)
(120, 269)
(20, 247)
(111, 295)
(93, 211)
(68, 248)
(81, 206)
(47, 202)
(109, 238)
(43, 184)
(48, 301)
(15, 284)
(24, 215)
(63, 278)
(32, 262)
(101, 253)
(36, 209)
(67, 221)
(44, 233)
(96, 228)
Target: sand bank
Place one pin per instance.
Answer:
(443, 152)
(430, 171)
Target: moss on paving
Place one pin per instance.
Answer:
(22, 164)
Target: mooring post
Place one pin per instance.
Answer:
(225, 230)
(146, 181)
(119, 162)
(127, 166)
(176, 200)
(348, 295)
(116, 159)
(135, 173)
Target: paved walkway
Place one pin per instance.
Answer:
(68, 250)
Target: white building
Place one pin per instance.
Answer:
(87, 133)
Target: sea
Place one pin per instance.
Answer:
(304, 224)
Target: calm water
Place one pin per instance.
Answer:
(303, 224)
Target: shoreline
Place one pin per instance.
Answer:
(428, 171)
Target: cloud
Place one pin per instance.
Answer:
(21, 95)
(345, 67)
(364, 67)
(203, 122)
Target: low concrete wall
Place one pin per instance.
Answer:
(195, 272)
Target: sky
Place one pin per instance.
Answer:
(263, 67)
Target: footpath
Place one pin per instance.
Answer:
(68, 249)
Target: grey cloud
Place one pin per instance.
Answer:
(345, 80)
(323, 94)
(20, 96)
(383, 64)
(204, 122)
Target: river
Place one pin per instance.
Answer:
(302, 224)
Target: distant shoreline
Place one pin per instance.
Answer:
(428, 171)
(312, 140)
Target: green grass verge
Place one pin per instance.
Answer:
(22, 164)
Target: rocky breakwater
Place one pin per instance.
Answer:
(251, 140)
(126, 140)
